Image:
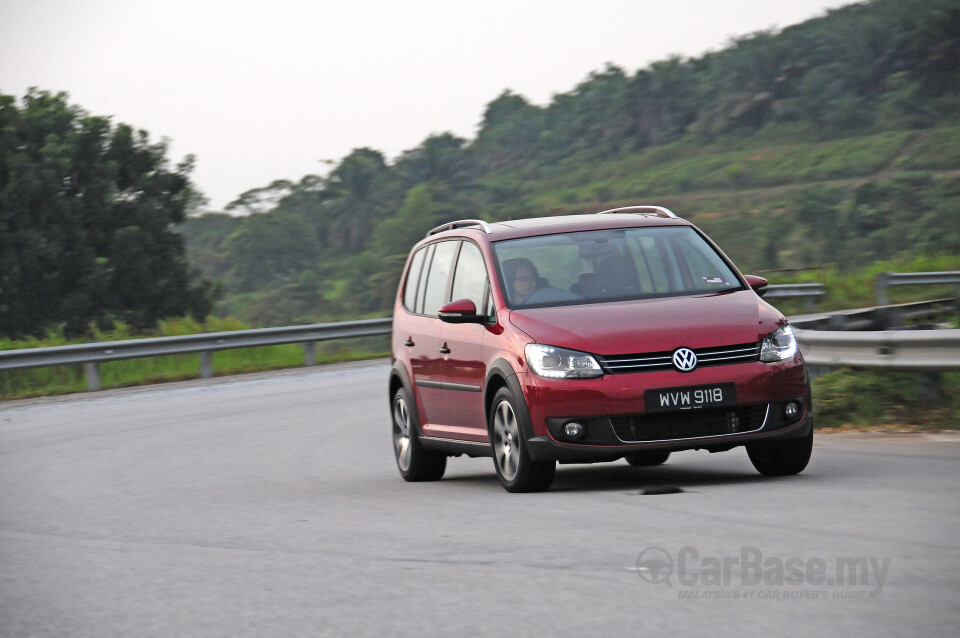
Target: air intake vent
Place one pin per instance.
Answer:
(689, 424)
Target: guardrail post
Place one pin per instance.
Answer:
(881, 284)
(92, 371)
(206, 365)
(888, 318)
(930, 388)
(309, 354)
(836, 322)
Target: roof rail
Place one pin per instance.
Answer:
(653, 211)
(462, 223)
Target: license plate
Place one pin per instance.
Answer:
(693, 397)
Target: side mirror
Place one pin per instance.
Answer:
(759, 284)
(460, 311)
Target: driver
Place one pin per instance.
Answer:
(521, 276)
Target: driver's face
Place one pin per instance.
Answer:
(524, 283)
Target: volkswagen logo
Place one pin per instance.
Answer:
(684, 359)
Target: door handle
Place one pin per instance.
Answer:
(444, 349)
(408, 342)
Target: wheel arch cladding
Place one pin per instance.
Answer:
(502, 375)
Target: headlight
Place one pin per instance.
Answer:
(560, 363)
(779, 345)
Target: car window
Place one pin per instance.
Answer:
(607, 265)
(538, 268)
(651, 270)
(438, 277)
(422, 286)
(656, 264)
(707, 271)
(491, 307)
(470, 277)
(413, 279)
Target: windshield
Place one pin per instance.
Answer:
(609, 265)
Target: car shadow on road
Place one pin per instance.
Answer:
(618, 477)
(624, 477)
(688, 472)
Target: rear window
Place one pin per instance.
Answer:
(610, 265)
(413, 279)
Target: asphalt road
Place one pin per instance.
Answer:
(269, 505)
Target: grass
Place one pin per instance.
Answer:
(877, 399)
(935, 149)
(687, 167)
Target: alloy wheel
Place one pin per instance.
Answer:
(506, 440)
(401, 433)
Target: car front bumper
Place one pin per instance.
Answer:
(612, 413)
(544, 448)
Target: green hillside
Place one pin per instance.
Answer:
(835, 142)
(832, 143)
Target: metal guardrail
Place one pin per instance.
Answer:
(886, 279)
(92, 354)
(808, 292)
(813, 291)
(832, 343)
(918, 350)
(795, 290)
(878, 317)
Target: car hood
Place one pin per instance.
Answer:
(651, 325)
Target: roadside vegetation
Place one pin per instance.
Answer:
(889, 401)
(831, 146)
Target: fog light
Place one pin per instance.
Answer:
(573, 430)
(791, 410)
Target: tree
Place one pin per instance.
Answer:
(510, 132)
(596, 116)
(87, 211)
(399, 233)
(260, 200)
(439, 158)
(360, 190)
(269, 250)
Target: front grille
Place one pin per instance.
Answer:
(689, 424)
(653, 361)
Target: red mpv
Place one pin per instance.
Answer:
(588, 338)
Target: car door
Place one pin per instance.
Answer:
(462, 367)
(423, 335)
(414, 338)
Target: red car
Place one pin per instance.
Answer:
(588, 338)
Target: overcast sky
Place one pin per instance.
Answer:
(266, 90)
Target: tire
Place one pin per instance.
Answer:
(644, 459)
(414, 462)
(515, 469)
(781, 458)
